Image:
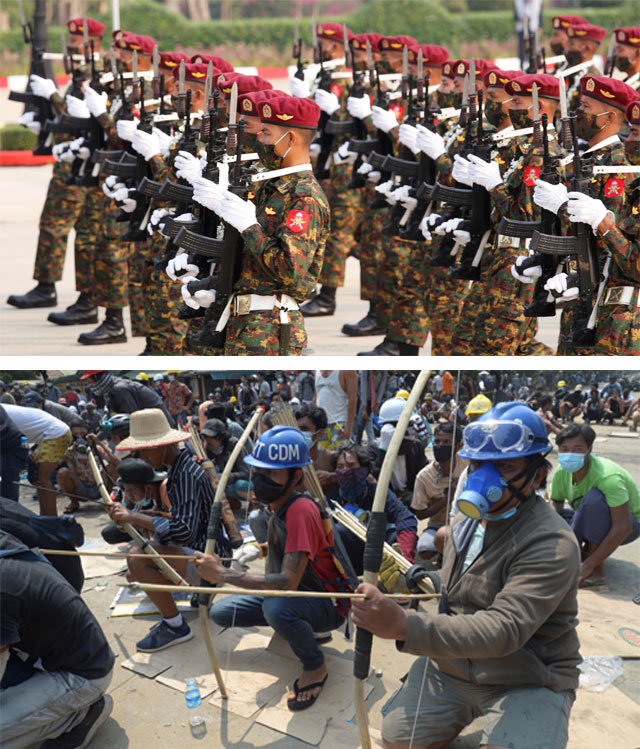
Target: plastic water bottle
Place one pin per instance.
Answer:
(193, 699)
(24, 442)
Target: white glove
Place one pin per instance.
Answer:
(327, 101)
(462, 237)
(96, 103)
(346, 155)
(146, 144)
(154, 221)
(430, 143)
(245, 554)
(409, 202)
(241, 214)
(79, 150)
(385, 187)
(548, 196)
(122, 198)
(202, 155)
(127, 128)
(460, 171)
(560, 286)
(28, 119)
(584, 209)
(58, 149)
(408, 136)
(204, 298)
(180, 265)
(528, 275)
(448, 226)
(401, 193)
(359, 107)
(111, 185)
(67, 155)
(164, 140)
(208, 194)
(364, 168)
(44, 87)
(424, 227)
(432, 218)
(77, 108)
(314, 150)
(374, 176)
(299, 89)
(187, 166)
(383, 119)
(485, 173)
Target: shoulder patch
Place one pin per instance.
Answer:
(614, 186)
(336, 89)
(531, 174)
(297, 221)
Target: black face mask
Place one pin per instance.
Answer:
(442, 453)
(557, 48)
(267, 490)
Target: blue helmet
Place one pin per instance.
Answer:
(280, 447)
(508, 430)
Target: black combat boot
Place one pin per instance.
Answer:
(386, 348)
(43, 295)
(81, 312)
(323, 304)
(110, 331)
(369, 325)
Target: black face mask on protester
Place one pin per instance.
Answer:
(442, 453)
(267, 490)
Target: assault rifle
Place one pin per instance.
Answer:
(297, 51)
(325, 137)
(360, 144)
(384, 145)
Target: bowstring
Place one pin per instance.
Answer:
(448, 510)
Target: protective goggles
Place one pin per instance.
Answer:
(503, 436)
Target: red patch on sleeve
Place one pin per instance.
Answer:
(613, 187)
(370, 100)
(398, 110)
(531, 174)
(297, 221)
(336, 89)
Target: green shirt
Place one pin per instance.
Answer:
(615, 482)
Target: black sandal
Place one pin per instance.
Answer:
(296, 704)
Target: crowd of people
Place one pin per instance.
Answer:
(469, 468)
(414, 162)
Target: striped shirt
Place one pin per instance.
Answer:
(191, 496)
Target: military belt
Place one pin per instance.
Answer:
(628, 295)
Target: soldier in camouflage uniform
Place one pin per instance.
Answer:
(627, 55)
(584, 40)
(284, 237)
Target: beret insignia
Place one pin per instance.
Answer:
(590, 85)
(607, 94)
(73, 26)
(515, 86)
(396, 45)
(621, 36)
(285, 117)
(460, 68)
(635, 112)
(246, 105)
(266, 111)
(170, 63)
(492, 78)
(199, 75)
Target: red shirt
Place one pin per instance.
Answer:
(305, 533)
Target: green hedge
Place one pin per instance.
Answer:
(427, 20)
(17, 138)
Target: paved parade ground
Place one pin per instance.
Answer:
(22, 194)
(149, 712)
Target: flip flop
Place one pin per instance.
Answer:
(296, 704)
(591, 584)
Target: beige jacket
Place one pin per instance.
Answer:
(512, 617)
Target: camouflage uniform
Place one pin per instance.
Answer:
(111, 257)
(139, 270)
(615, 201)
(370, 247)
(283, 255)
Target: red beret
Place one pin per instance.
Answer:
(246, 83)
(498, 78)
(142, 44)
(290, 111)
(197, 72)
(171, 60)
(482, 66)
(563, 22)
(333, 32)
(548, 86)
(359, 41)
(75, 26)
(432, 55)
(449, 68)
(608, 90)
(218, 62)
(630, 35)
(587, 31)
(397, 43)
(248, 103)
(633, 113)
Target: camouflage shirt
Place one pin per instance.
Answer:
(623, 240)
(283, 253)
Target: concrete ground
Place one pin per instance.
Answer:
(147, 713)
(22, 194)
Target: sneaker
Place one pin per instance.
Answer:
(162, 636)
(80, 736)
(322, 637)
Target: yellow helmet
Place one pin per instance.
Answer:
(173, 371)
(142, 377)
(233, 399)
(402, 394)
(561, 384)
(479, 405)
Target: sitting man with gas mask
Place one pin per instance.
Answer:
(502, 648)
(300, 557)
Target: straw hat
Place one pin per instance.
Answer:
(150, 428)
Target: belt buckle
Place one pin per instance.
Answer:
(505, 241)
(243, 304)
(614, 295)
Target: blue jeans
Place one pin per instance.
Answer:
(294, 619)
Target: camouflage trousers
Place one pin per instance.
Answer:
(466, 340)
(393, 268)
(410, 321)
(445, 298)
(62, 208)
(258, 334)
(111, 257)
(370, 246)
(617, 331)
(347, 209)
(162, 300)
(138, 267)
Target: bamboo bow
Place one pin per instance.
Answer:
(373, 552)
